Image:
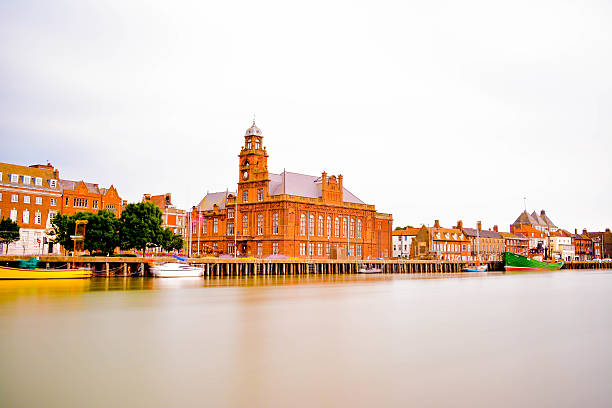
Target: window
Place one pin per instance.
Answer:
(230, 228)
(260, 194)
(230, 248)
(50, 217)
(245, 196)
(230, 213)
(302, 248)
(358, 250)
(245, 224)
(26, 217)
(215, 226)
(275, 248)
(320, 249)
(260, 224)
(320, 231)
(14, 214)
(275, 223)
(67, 201)
(94, 203)
(194, 228)
(303, 224)
(337, 227)
(344, 226)
(257, 145)
(14, 178)
(26, 199)
(27, 180)
(249, 144)
(311, 225)
(352, 230)
(327, 249)
(38, 200)
(37, 218)
(79, 202)
(351, 250)
(204, 226)
(311, 249)
(0, 195)
(38, 181)
(14, 198)
(52, 183)
(0, 177)
(359, 229)
(328, 226)
(259, 249)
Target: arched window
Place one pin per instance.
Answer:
(303, 224)
(311, 225)
(320, 231)
(344, 226)
(352, 230)
(358, 231)
(329, 228)
(26, 217)
(260, 224)
(245, 224)
(275, 223)
(337, 227)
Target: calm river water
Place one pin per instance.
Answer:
(465, 340)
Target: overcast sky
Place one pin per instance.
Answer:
(430, 109)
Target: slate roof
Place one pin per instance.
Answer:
(210, 199)
(304, 186)
(525, 218)
(534, 219)
(472, 232)
(71, 185)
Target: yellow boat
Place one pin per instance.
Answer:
(25, 273)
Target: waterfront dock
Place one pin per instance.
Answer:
(124, 266)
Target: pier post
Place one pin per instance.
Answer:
(107, 269)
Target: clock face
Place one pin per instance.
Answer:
(245, 175)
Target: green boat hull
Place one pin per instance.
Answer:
(515, 262)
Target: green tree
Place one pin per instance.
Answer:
(100, 233)
(141, 226)
(62, 228)
(9, 232)
(171, 241)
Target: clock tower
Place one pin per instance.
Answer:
(253, 180)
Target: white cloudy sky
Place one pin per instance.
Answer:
(430, 109)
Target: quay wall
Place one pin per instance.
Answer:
(252, 266)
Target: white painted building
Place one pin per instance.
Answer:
(402, 241)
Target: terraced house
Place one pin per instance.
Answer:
(31, 196)
(487, 245)
(287, 214)
(441, 243)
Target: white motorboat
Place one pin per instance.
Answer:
(365, 269)
(175, 270)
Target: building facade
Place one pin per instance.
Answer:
(583, 245)
(561, 245)
(486, 245)
(31, 196)
(402, 241)
(172, 217)
(515, 243)
(441, 243)
(605, 239)
(287, 214)
(79, 196)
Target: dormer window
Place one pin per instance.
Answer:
(14, 178)
(27, 180)
(38, 181)
(53, 183)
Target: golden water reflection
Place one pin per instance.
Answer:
(318, 340)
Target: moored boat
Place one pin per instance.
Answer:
(516, 262)
(176, 270)
(476, 268)
(36, 273)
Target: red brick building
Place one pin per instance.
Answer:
(172, 217)
(31, 196)
(583, 246)
(515, 243)
(289, 214)
(79, 196)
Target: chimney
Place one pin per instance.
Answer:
(607, 229)
(437, 224)
(459, 224)
(56, 173)
(584, 231)
(479, 225)
(340, 181)
(324, 179)
(495, 228)
(542, 213)
(575, 230)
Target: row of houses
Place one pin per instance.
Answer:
(530, 234)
